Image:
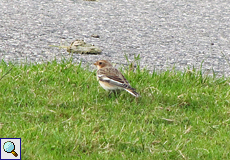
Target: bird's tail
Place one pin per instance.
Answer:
(132, 91)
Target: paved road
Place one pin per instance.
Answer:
(165, 33)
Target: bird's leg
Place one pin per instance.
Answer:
(114, 92)
(110, 92)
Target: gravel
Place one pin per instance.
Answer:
(166, 33)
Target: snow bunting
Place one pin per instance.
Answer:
(111, 79)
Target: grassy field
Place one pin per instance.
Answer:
(61, 112)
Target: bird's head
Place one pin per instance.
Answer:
(102, 63)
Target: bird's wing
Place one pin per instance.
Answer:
(113, 81)
(113, 76)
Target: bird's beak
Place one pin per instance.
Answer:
(95, 63)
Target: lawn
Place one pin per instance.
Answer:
(60, 111)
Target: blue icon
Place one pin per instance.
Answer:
(9, 147)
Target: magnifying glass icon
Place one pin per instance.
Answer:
(9, 147)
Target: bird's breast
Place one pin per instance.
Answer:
(108, 86)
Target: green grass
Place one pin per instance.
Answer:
(61, 112)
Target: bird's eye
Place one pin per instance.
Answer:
(100, 63)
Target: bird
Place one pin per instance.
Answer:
(112, 79)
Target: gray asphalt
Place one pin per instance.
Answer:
(165, 33)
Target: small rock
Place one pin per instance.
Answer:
(95, 36)
(79, 46)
